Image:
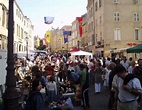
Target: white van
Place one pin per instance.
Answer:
(38, 52)
(3, 65)
(24, 54)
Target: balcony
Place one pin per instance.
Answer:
(100, 44)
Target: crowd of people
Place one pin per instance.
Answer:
(122, 76)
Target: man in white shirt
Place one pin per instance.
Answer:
(129, 90)
(125, 62)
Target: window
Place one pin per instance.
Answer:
(7, 19)
(96, 6)
(136, 16)
(3, 17)
(116, 16)
(92, 25)
(101, 37)
(96, 22)
(21, 33)
(17, 29)
(100, 19)
(137, 34)
(116, 1)
(89, 27)
(96, 38)
(16, 11)
(100, 3)
(117, 35)
(135, 1)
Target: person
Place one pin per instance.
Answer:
(77, 69)
(91, 67)
(73, 77)
(131, 68)
(35, 100)
(98, 77)
(61, 71)
(84, 86)
(52, 90)
(45, 79)
(106, 78)
(49, 69)
(37, 75)
(112, 77)
(34, 70)
(137, 71)
(129, 90)
(125, 62)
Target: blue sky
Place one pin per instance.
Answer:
(64, 11)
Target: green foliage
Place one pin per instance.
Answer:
(42, 47)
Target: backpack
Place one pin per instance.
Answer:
(75, 77)
(78, 81)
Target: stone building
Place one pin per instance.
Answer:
(3, 23)
(117, 25)
(23, 31)
(23, 28)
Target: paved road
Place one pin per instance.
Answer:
(100, 101)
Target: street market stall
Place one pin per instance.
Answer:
(136, 49)
(78, 53)
(74, 50)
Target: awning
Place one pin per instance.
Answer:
(136, 49)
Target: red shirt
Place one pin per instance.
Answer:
(49, 69)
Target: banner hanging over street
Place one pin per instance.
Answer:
(80, 25)
(48, 20)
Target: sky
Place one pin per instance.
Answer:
(63, 11)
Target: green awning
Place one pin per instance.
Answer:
(136, 49)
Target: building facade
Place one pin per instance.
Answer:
(23, 31)
(23, 28)
(118, 24)
(85, 37)
(91, 27)
(3, 23)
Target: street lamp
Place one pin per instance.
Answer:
(10, 96)
(78, 44)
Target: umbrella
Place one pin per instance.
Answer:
(82, 53)
(136, 49)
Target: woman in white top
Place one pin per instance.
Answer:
(106, 78)
(52, 90)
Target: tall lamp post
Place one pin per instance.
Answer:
(10, 96)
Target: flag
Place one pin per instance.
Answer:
(48, 36)
(66, 34)
(38, 42)
(48, 20)
(80, 25)
(44, 41)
